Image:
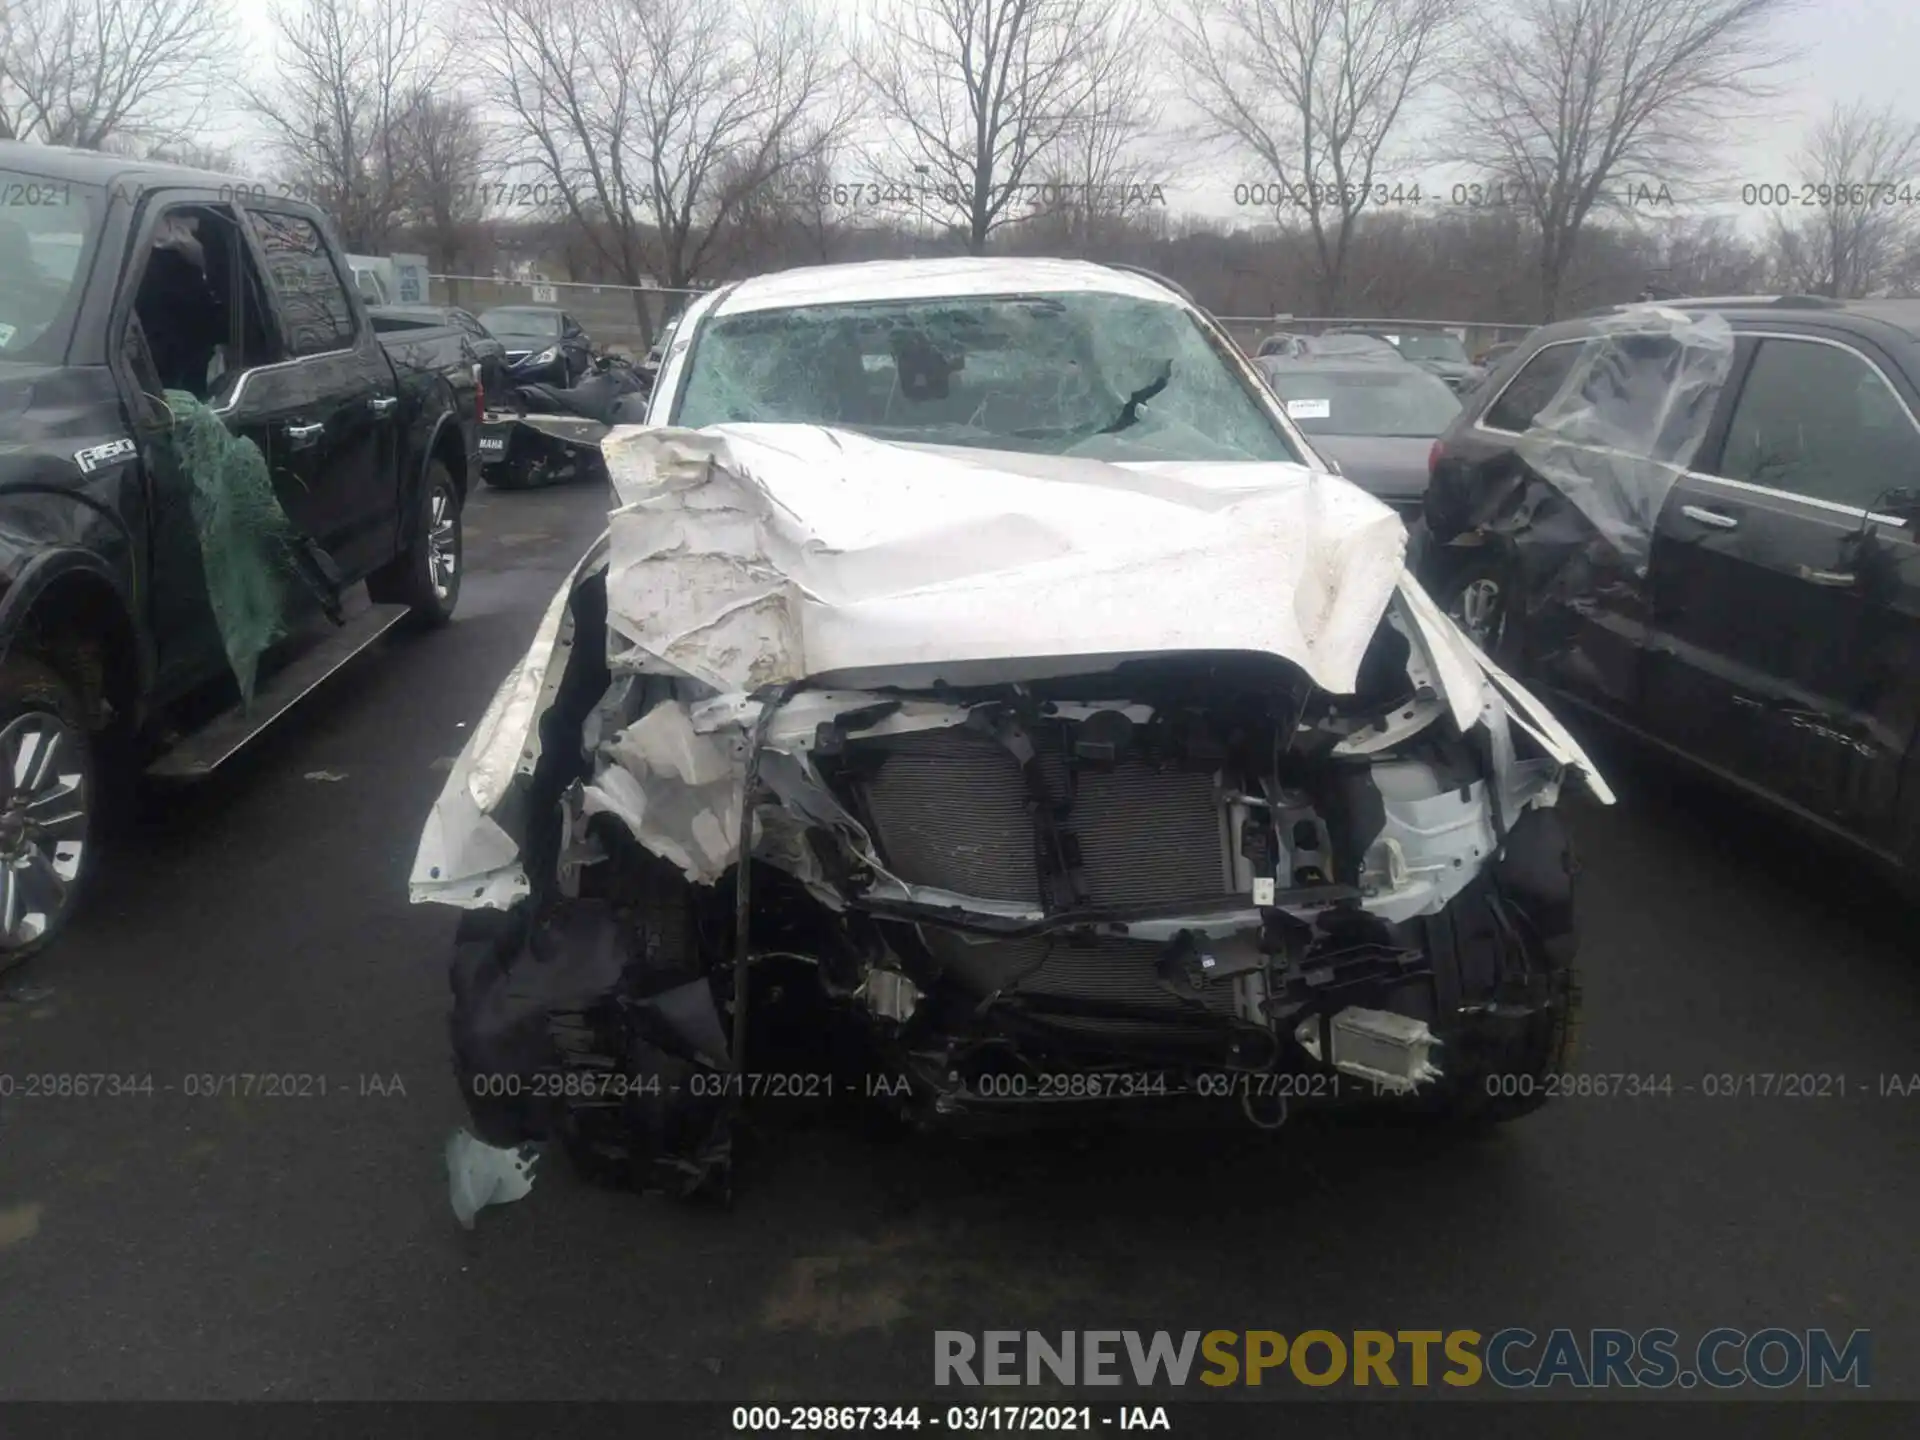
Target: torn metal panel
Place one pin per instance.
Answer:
(465, 857)
(678, 793)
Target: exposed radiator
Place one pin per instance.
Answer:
(950, 809)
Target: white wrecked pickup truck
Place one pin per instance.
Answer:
(1089, 738)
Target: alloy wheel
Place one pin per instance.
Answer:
(44, 814)
(1477, 611)
(443, 542)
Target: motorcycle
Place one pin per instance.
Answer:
(547, 435)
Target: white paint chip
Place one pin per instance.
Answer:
(20, 1222)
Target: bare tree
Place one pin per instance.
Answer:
(651, 126)
(1572, 106)
(1106, 172)
(349, 76)
(197, 155)
(444, 201)
(1315, 90)
(90, 73)
(980, 96)
(795, 222)
(1857, 239)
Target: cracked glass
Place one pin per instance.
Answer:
(1100, 376)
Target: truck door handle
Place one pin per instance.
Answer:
(383, 404)
(302, 435)
(1717, 519)
(1826, 577)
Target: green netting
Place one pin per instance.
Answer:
(248, 546)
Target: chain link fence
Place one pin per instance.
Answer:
(611, 313)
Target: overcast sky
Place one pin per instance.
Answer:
(1844, 49)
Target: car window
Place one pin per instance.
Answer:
(1529, 391)
(392, 324)
(1349, 343)
(318, 313)
(1397, 401)
(1820, 420)
(46, 232)
(1111, 377)
(1434, 347)
(522, 324)
(472, 326)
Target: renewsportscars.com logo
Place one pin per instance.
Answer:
(1515, 1359)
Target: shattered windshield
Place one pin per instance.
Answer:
(1376, 401)
(1102, 376)
(46, 229)
(1434, 347)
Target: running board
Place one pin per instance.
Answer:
(218, 741)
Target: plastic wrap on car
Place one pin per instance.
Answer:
(1628, 420)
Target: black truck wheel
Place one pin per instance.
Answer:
(426, 576)
(47, 792)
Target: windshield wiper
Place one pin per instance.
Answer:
(1130, 412)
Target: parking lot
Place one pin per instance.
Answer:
(183, 1245)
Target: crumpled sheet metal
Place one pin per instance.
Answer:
(675, 777)
(748, 555)
(465, 857)
(1629, 418)
(677, 792)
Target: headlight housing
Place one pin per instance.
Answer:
(546, 357)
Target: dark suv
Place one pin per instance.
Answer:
(1697, 520)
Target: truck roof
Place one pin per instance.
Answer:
(92, 167)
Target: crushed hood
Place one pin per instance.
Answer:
(750, 555)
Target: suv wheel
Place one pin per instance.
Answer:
(427, 575)
(46, 806)
(1477, 603)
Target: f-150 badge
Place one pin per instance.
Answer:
(94, 456)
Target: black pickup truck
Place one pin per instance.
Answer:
(445, 334)
(168, 589)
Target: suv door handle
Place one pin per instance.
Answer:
(305, 434)
(1717, 519)
(383, 404)
(1835, 578)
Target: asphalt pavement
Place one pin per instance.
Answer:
(300, 1245)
